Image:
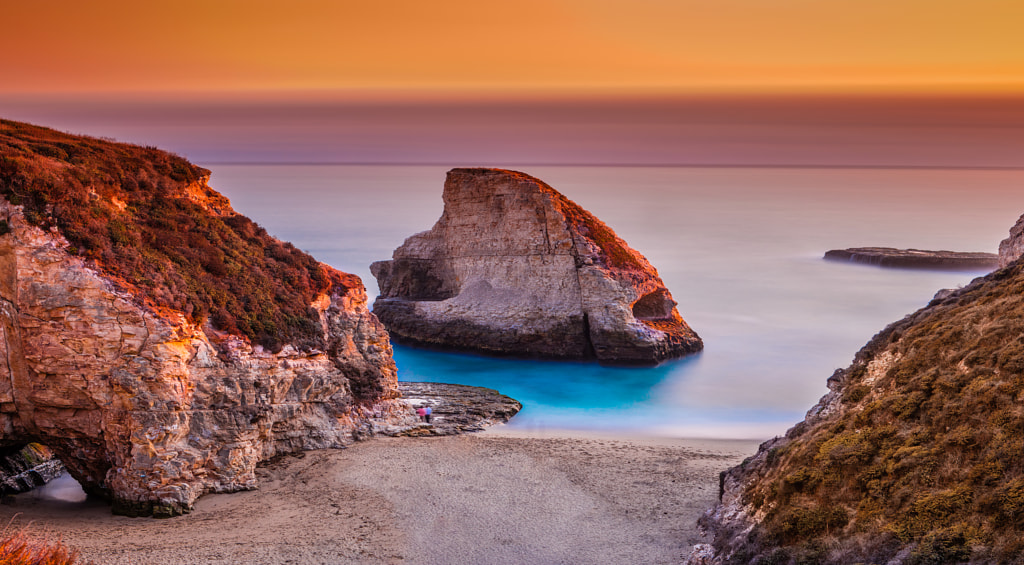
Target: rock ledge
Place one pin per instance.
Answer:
(916, 258)
(456, 408)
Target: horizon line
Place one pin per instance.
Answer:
(612, 165)
(499, 96)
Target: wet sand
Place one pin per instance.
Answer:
(495, 497)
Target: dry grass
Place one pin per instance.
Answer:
(929, 457)
(22, 548)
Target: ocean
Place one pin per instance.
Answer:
(734, 200)
(740, 248)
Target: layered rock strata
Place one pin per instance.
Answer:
(32, 466)
(147, 404)
(916, 258)
(513, 267)
(915, 455)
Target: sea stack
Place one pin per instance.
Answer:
(514, 267)
(161, 344)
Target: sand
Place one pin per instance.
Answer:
(497, 497)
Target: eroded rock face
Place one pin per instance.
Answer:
(153, 411)
(1011, 248)
(29, 467)
(514, 267)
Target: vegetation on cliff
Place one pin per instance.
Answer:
(146, 219)
(919, 451)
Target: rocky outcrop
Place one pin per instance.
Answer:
(915, 455)
(513, 267)
(916, 258)
(456, 409)
(149, 403)
(24, 469)
(1011, 248)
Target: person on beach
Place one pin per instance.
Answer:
(428, 411)
(422, 413)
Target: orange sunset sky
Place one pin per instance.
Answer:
(414, 47)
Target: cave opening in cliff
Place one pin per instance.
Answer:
(655, 305)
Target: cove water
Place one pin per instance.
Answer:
(739, 248)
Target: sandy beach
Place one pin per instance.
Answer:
(495, 497)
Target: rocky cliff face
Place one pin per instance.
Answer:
(514, 267)
(26, 468)
(916, 455)
(1011, 248)
(154, 390)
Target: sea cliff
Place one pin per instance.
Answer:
(159, 343)
(514, 267)
(916, 454)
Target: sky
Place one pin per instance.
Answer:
(413, 48)
(910, 83)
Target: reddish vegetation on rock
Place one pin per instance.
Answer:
(160, 343)
(147, 220)
(514, 267)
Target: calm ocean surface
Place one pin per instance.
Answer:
(739, 248)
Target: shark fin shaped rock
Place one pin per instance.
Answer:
(513, 267)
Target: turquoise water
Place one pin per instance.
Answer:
(739, 248)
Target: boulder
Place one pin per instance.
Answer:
(514, 267)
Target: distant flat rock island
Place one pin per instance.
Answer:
(916, 258)
(514, 267)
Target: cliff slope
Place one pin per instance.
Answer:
(160, 343)
(514, 267)
(916, 455)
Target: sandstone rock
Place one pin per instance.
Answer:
(915, 258)
(140, 402)
(514, 267)
(1011, 248)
